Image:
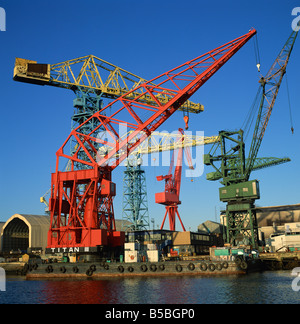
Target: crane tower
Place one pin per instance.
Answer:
(238, 191)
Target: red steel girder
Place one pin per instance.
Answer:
(142, 119)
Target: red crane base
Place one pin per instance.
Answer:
(172, 211)
(81, 210)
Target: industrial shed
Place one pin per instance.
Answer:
(277, 215)
(21, 232)
(1, 226)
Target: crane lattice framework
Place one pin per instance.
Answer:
(91, 79)
(81, 203)
(135, 212)
(135, 202)
(234, 171)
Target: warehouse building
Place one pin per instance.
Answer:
(27, 233)
(270, 218)
(23, 232)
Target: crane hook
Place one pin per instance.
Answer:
(186, 120)
(258, 67)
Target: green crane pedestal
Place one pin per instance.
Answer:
(241, 224)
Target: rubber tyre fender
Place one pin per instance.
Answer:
(130, 269)
(49, 269)
(225, 265)
(75, 269)
(203, 266)
(121, 269)
(153, 267)
(89, 272)
(191, 267)
(243, 265)
(219, 266)
(238, 260)
(93, 267)
(63, 269)
(178, 268)
(106, 267)
(161, 267)
(211, 267)
(144, 268)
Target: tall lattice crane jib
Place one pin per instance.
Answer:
(2, 19)
(296, 21)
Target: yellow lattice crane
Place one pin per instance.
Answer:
(93, 79)
(90, 77)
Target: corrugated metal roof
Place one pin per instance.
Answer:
(38, 226)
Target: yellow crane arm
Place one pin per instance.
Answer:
(161, 141)
(90, 74)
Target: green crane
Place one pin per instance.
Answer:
(234, 169)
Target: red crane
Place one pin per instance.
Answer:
(170, 197)
(81, 202)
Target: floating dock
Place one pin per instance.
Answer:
(140, 269)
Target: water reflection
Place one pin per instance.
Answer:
(261, 288)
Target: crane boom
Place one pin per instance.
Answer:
(88, 76)
(238, 192)
(270, 85)
(178, 84)
(162, 141)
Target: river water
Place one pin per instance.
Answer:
(257, 288)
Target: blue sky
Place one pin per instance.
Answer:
(146, 38)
